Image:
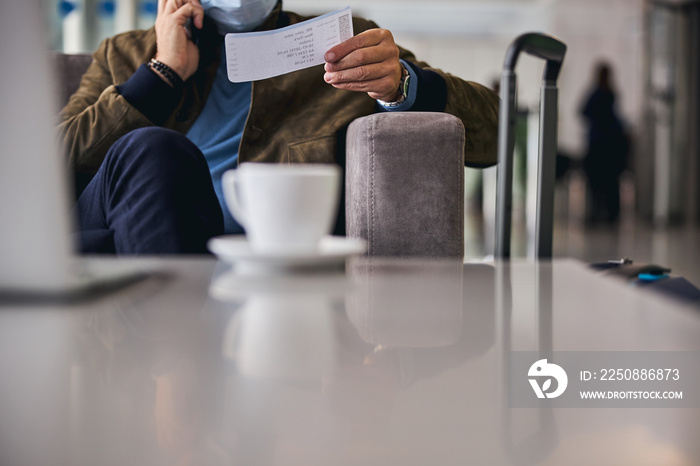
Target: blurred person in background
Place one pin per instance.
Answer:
(607, 147)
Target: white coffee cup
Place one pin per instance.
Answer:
(283, 208)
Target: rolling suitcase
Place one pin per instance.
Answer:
(552, 50)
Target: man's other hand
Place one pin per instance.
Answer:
(367, 62)
(173, 46)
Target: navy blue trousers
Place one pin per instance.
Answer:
(153, 194)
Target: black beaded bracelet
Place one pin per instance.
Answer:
(174, 79)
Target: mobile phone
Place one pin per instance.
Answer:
(191, 31)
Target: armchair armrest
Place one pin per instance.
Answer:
(404, 184)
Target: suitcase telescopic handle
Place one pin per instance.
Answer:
(541, 46)
(552, 50)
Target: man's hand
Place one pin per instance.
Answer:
(174, 48)
(368, 62)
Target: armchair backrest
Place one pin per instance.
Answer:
(69, 69)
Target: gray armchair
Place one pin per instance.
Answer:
(404, 180)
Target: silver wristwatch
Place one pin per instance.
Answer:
(403, 89)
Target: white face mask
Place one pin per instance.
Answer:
(237, 15)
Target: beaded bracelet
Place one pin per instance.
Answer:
(172, 77)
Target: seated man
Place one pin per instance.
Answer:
(156, 121)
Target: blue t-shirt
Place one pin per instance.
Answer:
(218, 131)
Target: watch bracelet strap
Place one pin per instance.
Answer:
(402, 90)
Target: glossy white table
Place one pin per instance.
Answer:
(391, 363)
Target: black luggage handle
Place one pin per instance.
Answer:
(552, 50)
(541, 46)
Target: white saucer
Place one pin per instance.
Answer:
(332, 250)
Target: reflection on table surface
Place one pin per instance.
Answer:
(388, 362)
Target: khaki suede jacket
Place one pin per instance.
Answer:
(293, 118)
